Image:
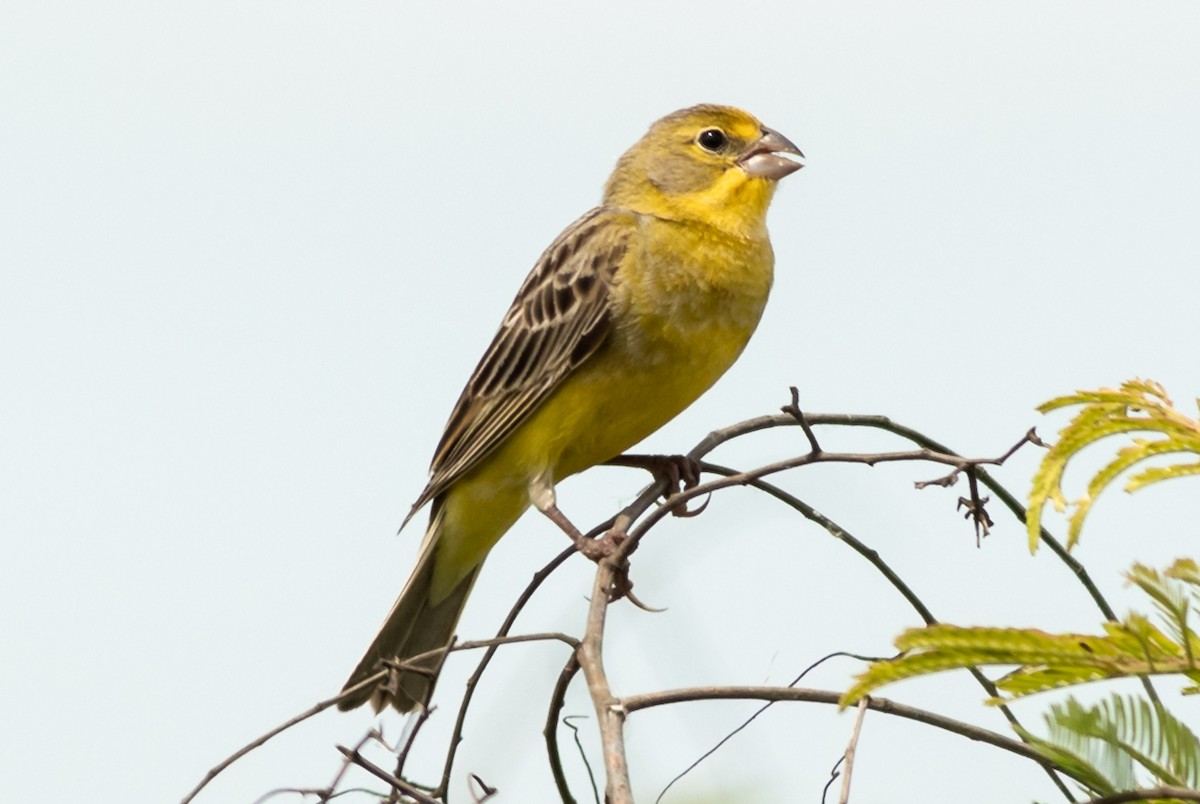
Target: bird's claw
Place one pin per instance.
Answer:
(599, 549)
(678, 472)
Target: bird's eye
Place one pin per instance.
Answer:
(712, 139)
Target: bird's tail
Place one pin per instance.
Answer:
(413, 626)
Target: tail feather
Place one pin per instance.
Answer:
(413, 626)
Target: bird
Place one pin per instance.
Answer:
(634, 311)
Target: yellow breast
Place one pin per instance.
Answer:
(686, 301)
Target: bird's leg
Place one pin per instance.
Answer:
(680, 473)
(541, 494)
(598, 549)
(594, 549)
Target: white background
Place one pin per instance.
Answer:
(249, 252)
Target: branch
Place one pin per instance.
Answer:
(746, 723)
(718, 437)
(397, 784)
(557, 701)
(539, 577)
(634, 703)
(871, 555)
(1148, 794)
(851, 749)
(246, 749)
(609, 712)
(744, 478)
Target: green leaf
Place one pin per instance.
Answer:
(1138, 406)
(1123, 733)
(1043, 661)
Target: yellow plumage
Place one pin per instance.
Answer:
(631, 314)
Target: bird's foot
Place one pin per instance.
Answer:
(602, 548)
(596, 549)
(605, 546)
(678, 472)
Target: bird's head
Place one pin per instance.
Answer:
(713, 164)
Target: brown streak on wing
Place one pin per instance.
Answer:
(557, 321)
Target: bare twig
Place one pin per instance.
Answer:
(416, 794)
(373, 734)
(539, 577)
(1003, 494)
(634, 703)
(793, 409)
(718, 437)
(844, 798)
(745, 723)
(328, 792)
(557, 700)
(583, 755)
(300, 718)
(423, 713)
(1148, 794)
(871, 555)
(487, 790)
(746, 477)
(834, 773)
(609, 712)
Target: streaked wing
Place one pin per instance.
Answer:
(558, 319)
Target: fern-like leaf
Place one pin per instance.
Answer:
(1044, 661)
(1137, 406)
(1119, 736)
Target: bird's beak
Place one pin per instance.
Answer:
(764, 159)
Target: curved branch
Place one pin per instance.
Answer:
(634, 703)
(414, 793)
(255, 743)
(610, 715)
(538, 579)
(836, 531)
(557, 701)
(795, 419)
(1148, 794)
(871, 555)
(1003, 494)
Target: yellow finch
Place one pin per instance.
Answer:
(632, 313)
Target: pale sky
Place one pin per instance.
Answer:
(252, 250)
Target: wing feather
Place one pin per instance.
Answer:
(558, 319)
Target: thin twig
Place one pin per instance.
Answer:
(1148, 794)
(744, 478)
(1003, 494)
(635, 703)
(550, 732)
(488, 790)
(423, 713)
(539, 577)
(1077, 569)
(876, 422)
(609, 713)
(834, 773)
(838, 532)
(871, 555)
(746, 723)
(373, 734)
(793, 409)
(397, 784)
(300, 718)
(583, 755)
(494, 642)
(844, 798)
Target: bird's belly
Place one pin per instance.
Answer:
(630, 389)
(650, 368)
